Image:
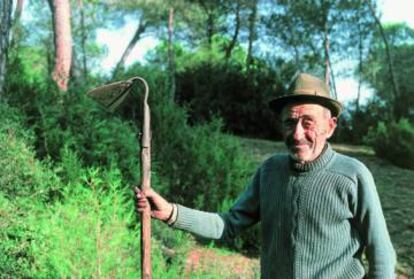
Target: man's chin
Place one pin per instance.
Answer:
(299, 157)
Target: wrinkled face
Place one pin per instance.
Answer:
(306, 128)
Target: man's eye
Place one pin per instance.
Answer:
(307, 123)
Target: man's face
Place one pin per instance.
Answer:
(306, 128)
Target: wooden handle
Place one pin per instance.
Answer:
(146, 184)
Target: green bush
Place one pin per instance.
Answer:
(12, 122)
(71, 120)
(353, 125)
(26, 183)
(93, 232)
(239, 97)
(76, 122)
(89, 233)
(394, 142)
(15, 237)
(211, 169)
(21, 174)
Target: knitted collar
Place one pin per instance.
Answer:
(316, 164)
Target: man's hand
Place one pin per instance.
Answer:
(160, 208)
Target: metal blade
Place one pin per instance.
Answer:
(111, 95)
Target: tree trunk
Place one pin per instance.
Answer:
(16, 29)
(18, 11)
(389, 57)
(326, 46)
(5, 25)
(252, 35)
(171, 62)
(297, 57)
(83, 39)
(360, 48)
(332, 79)
(233, 41)
(130, 47)
(63, 42)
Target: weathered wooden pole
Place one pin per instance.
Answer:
(111, 96)
(146, 184)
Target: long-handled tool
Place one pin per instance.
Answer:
(111, 96)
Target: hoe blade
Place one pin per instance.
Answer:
(111, 95)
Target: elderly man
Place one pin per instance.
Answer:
(319, 210)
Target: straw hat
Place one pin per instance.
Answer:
(307, 89)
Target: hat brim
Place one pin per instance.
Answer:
(279, 103)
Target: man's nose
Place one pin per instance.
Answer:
(298, 132)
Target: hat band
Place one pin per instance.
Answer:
(309, 91)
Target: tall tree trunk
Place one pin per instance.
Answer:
(233, 41)
(83, 39)
(360, 49)
(171, 62)
(326, 47)
(332, 79)
(46, 43)
(389, 57)
(140, 29)
(5, 25)
(18, 11)
(329, 75)
(252, 35)
(63, 42)
(16, 29)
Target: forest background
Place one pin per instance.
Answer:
(67, 165)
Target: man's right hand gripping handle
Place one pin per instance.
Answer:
(161, 209)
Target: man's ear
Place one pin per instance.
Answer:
(332, 123)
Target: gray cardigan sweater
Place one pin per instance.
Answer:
(316, 218)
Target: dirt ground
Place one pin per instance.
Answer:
(201, 260)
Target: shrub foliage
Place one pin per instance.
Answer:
(66, 171)
(394, 142)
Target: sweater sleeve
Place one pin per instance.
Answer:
(200, 223)
(243, 213)
(373, 229)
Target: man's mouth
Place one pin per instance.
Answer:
(297, 145)
(300, 146)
